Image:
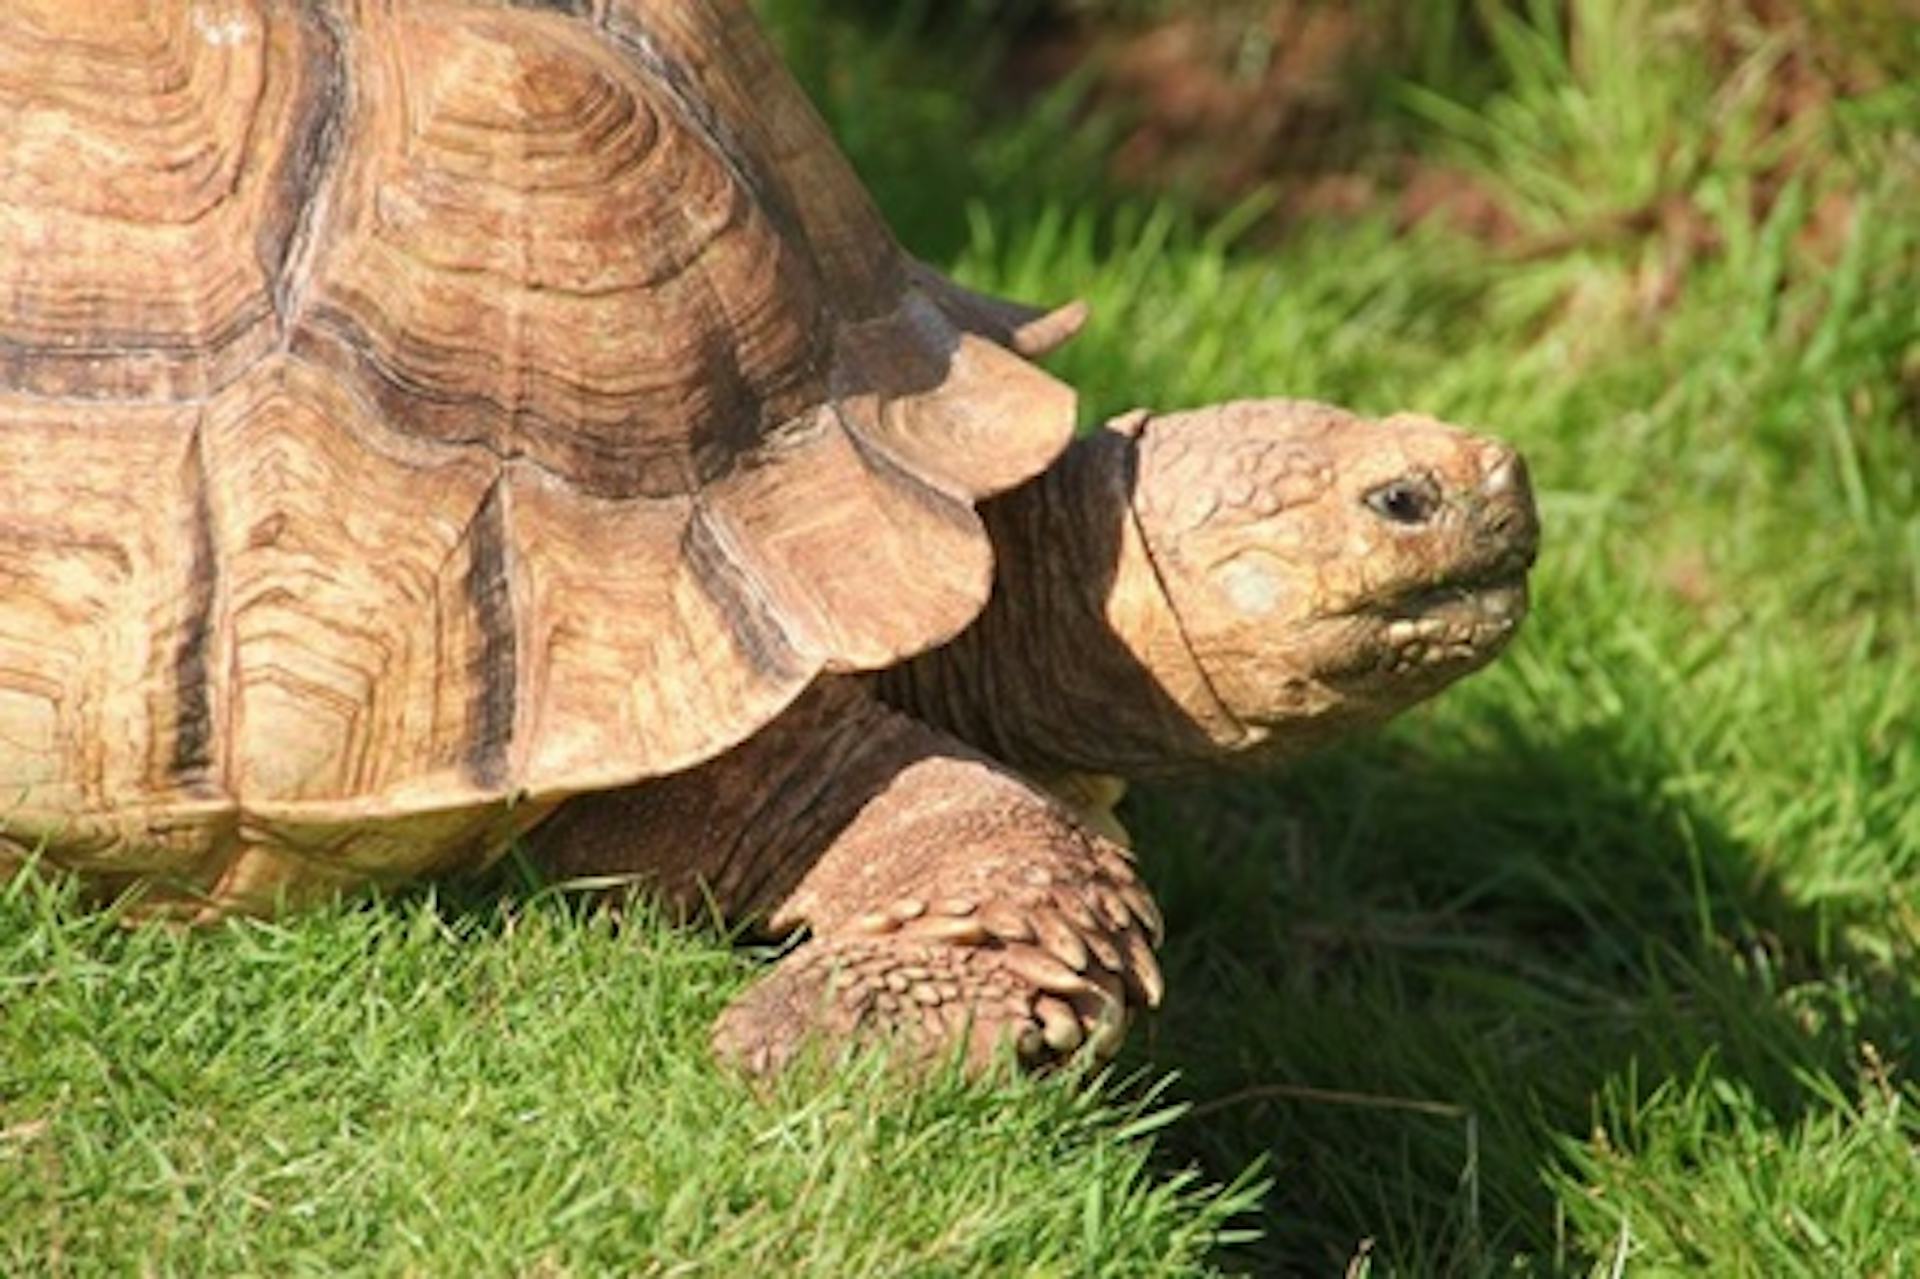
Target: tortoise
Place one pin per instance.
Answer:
(427, 425)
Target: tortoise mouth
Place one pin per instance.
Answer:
(1463, 622)
(1490, 600)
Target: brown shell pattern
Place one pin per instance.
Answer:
(412, 414)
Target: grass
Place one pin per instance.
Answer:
(1604, 963)
(422, 1086)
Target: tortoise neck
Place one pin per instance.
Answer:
(1077, 663)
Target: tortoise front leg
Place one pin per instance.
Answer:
(947, 898)
(958, 902)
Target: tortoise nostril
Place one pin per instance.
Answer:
(1505, 475)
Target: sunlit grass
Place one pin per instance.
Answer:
(424, 1087)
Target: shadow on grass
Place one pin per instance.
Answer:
(1408, 982)
(1411, 974)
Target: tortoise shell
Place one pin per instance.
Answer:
(412, 414)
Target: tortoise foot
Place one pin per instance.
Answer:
(929, 1000)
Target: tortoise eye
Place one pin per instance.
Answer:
(1405, 501)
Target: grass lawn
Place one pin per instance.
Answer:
(1604, 963)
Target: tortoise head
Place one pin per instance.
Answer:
(1326, 570)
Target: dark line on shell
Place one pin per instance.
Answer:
(311, 161)
(192, 759)
(634, 41)
(572, 8)
(599, 463)
(884, 464)
(489, 590)
(751, 616)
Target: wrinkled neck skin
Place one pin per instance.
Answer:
(1078, 663)
(1232, 586)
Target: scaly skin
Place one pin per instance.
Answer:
(945, 896)
(1232, 586)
